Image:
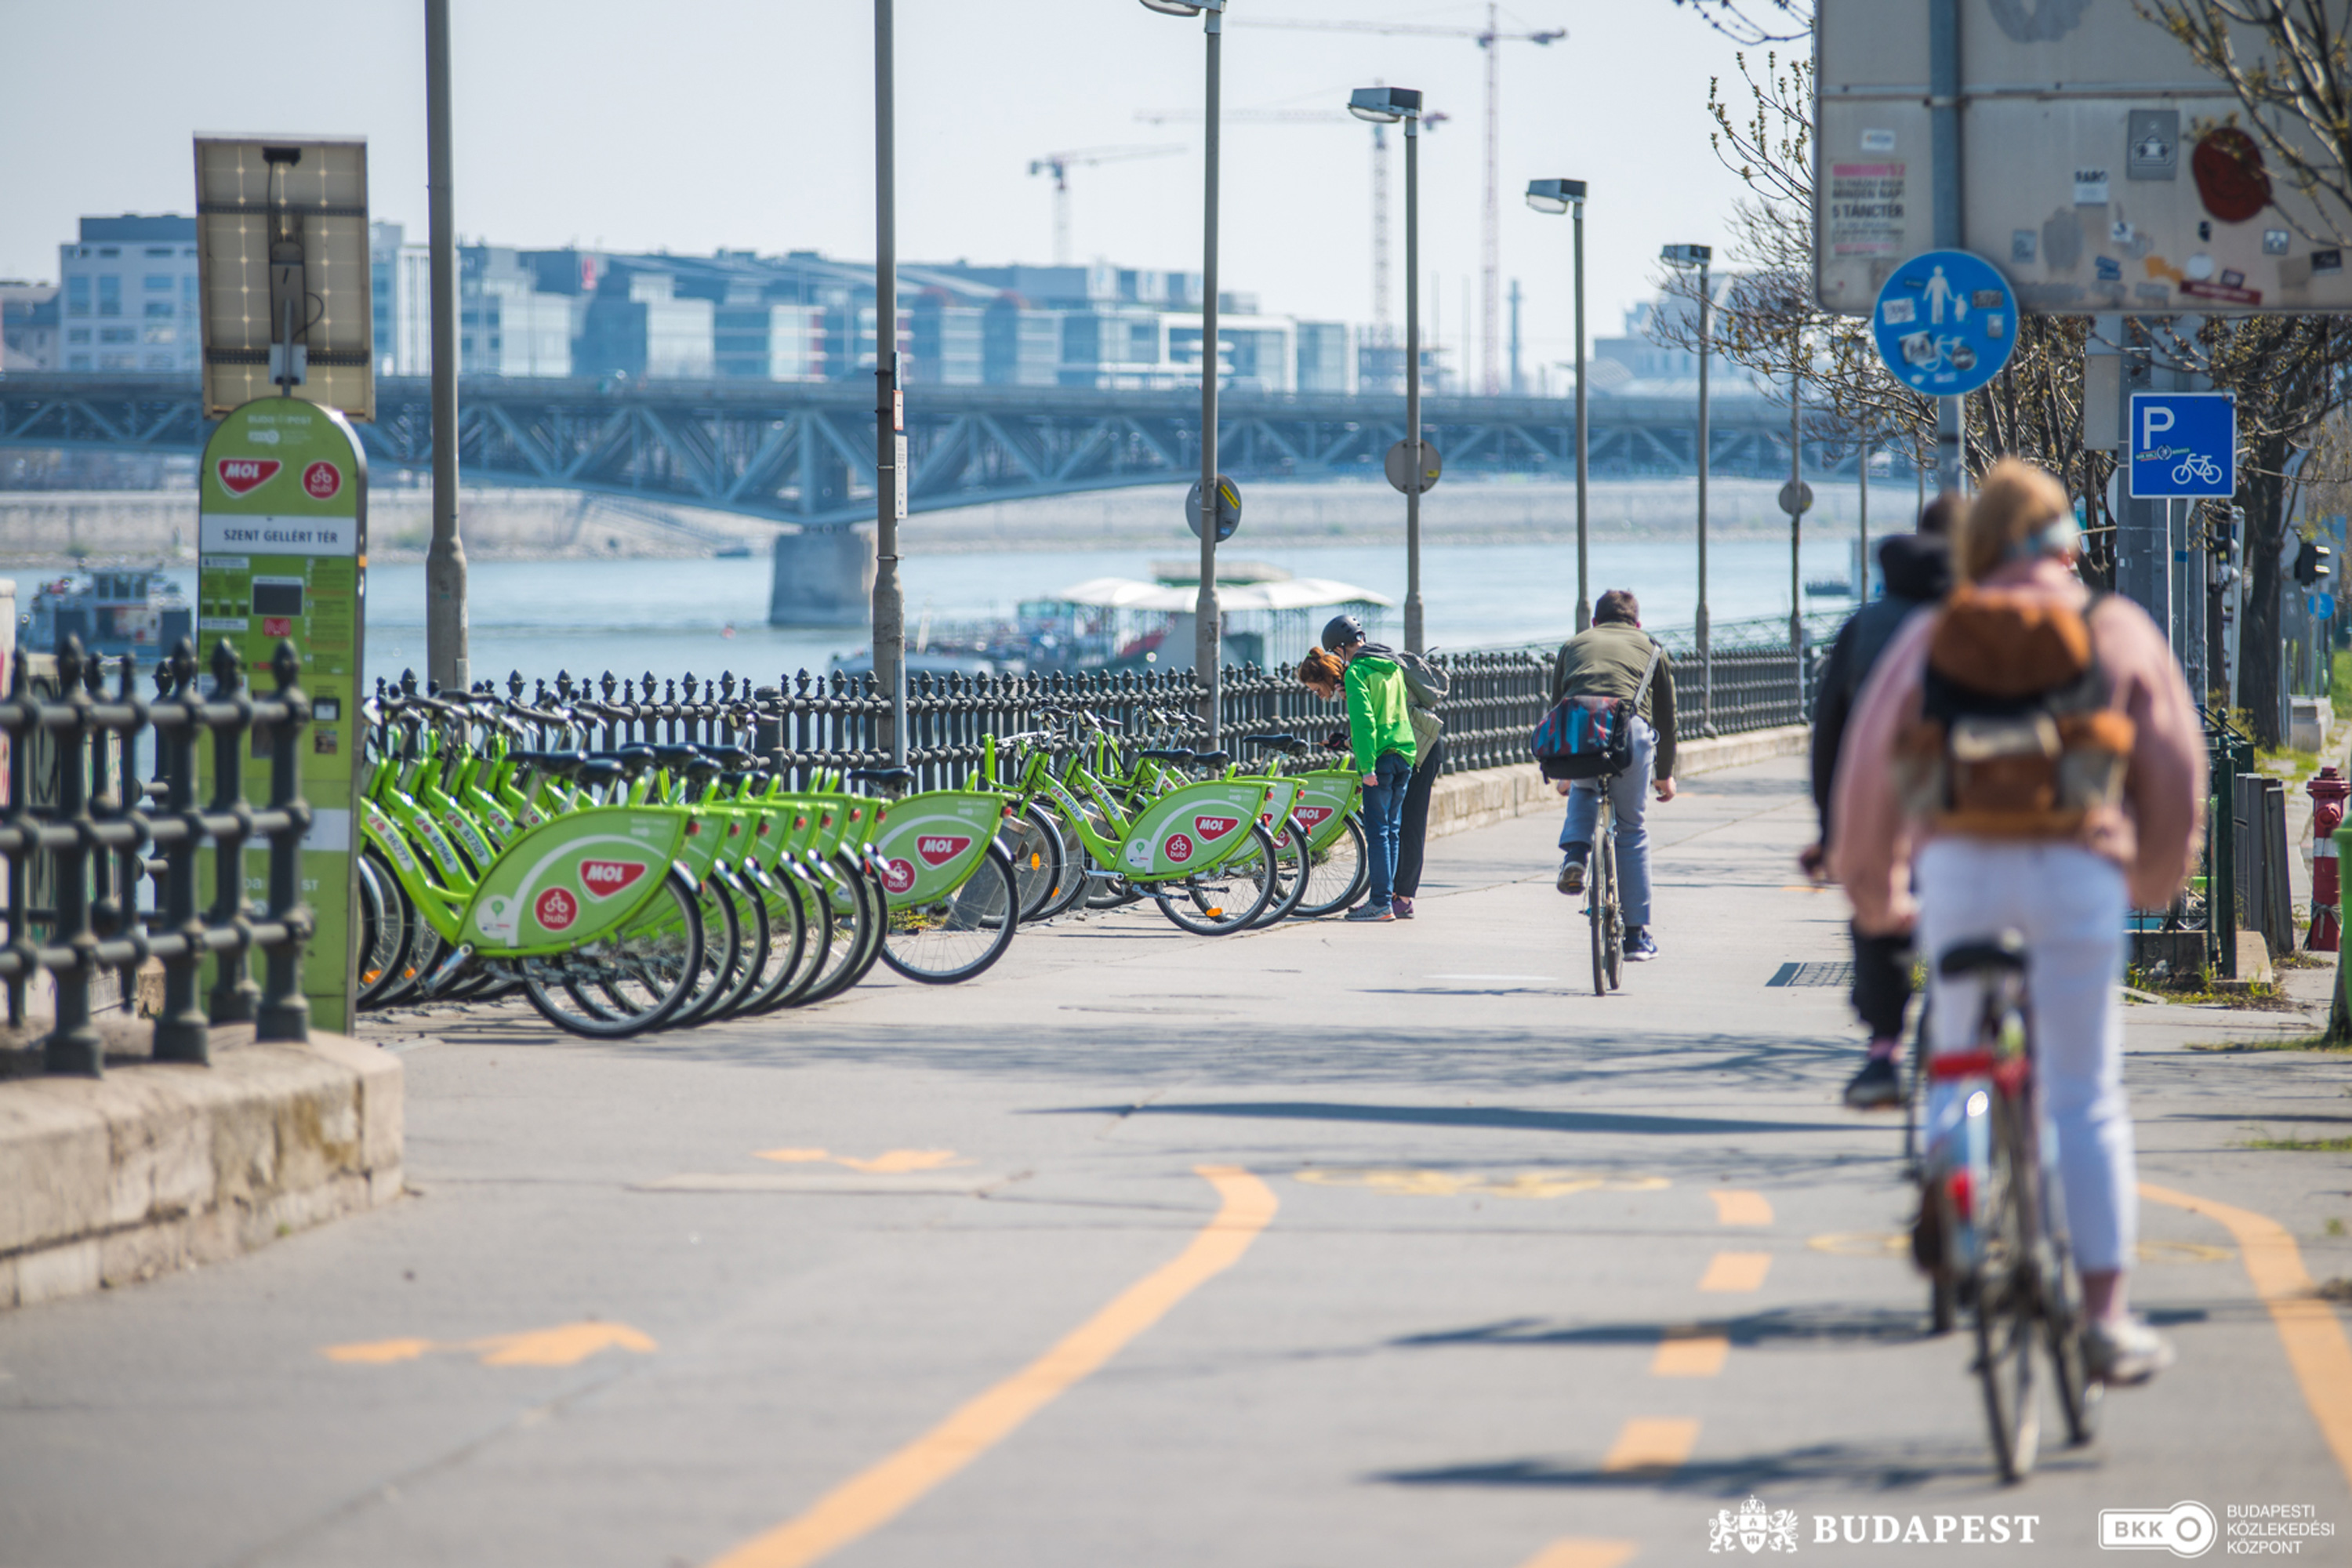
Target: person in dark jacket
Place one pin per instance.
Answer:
(1918, 571)
(1609, 660)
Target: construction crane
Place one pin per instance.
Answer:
(1490, 38)
(1383, 331)
(1059, 165)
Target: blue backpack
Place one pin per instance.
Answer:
(1588, 737)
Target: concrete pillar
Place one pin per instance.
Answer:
(824, 577)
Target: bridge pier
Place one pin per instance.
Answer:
(824, 577)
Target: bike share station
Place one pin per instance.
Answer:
(282, 487)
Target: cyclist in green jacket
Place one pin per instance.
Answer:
(1380, 733)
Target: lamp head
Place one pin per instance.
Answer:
(1382, 105)
(1173, 7)
(1687, 254)
(1555, 196)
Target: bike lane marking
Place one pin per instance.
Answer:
(1650, 1443)
(1736, 1271)
(2317, 1349)
(1690, 1353)
(1741, 1208)
(878, 1494)
(1570, 1552)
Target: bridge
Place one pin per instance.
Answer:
(803, 453)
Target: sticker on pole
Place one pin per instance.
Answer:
(2183, 444)
(1945, 322)
(1229, 507)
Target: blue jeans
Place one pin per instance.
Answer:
(1383, 817)
(1629, 802)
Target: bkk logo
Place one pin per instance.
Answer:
(556, 909)
(238, 475)
(938, 849)
(603, 878)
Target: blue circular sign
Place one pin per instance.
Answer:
(1945, 322)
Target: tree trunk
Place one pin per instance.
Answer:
(2262, 655)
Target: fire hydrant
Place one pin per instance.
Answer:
(2327, 793)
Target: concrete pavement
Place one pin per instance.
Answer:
(1546, 1279)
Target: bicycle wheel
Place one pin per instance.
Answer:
(2080, 1396)
(958, 935)
(817, 926)
(783, 913)
(1227, 898)
(387, 931)
(751, 916)
(2006, 1309)
(1598, 898)
(1033, 842)
(1613, 920)
(856, 915)
(1289, 872)
(722, 952)
(1337, 878)
(651, 965)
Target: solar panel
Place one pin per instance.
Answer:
(282, 237)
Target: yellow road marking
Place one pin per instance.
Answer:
(566, 1344)
(1860, 1243)
(1741, 1208)
(1689, 1352)
(1572, 1553)
(874, 1496)
(2308, 1327)
(1650, 1443)
(1539, 1183)
(894, 1161)
(1736, 1271)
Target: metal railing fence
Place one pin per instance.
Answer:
(78, 822)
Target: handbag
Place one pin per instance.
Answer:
(1587, 737)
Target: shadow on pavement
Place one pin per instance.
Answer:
(1838, 1468)
(1466, 1115)
(1786, 1325)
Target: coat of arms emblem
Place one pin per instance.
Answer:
(1754, 1528)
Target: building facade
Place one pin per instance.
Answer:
(28, 325)
(129, 290)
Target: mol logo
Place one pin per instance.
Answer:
(238, 475)
(603, 878)
(938, 849)
(1211, 828)
(321, 479)
(898, 876)
(1311, 816)
(556, 909)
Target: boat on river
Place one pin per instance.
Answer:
(139, 611)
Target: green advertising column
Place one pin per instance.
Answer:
(282, 556)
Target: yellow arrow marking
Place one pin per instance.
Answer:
(1449, 1183)
(566, 1344)
(893, 1163)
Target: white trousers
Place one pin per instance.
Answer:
(2069, 904)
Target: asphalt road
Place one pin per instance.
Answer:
(1329, 1246)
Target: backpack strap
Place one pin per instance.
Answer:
(1657, 652)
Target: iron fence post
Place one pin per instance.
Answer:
(285, 1012)
(234, 994)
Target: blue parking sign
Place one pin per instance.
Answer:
(1945, 323)
(2183, 444)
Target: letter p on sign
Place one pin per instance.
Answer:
(2154, 417)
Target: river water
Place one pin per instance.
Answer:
(672, 617)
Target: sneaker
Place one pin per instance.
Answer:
(1878, 1087)
(1571, 872)
(2125, 1352)
(1371, 912)
(1639, 948)
(1401, 907)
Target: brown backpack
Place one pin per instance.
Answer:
(2015, 737)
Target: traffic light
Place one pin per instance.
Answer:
(2311, 563)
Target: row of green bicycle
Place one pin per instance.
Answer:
(646, 886)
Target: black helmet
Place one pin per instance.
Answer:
(1341, 630)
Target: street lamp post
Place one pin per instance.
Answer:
(1567, 196)
(1699, 256)
(1386, 106)
(889, 422)
(1208, 642)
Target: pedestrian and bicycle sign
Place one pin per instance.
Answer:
(1945, 322)
(2183, 444)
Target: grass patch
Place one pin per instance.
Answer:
(2302, 1146)
(2291, 1043)
(2287, 763)
(2299, 958)
(2335, 1227)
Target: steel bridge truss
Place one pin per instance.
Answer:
(804, 453)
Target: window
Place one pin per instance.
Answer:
(110, 250)
(117, 335)
(109, 296)
(161, 362)
(117, 362)
(78, 335)
(159, 335)
(158, 282)
(77, 296)
(188, 250)
(159, 250)
(187, 286)
(77, 361)
(160, 308)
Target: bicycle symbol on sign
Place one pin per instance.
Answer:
(2197, 469)
(1932, 353)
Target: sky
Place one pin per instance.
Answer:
(695, 124)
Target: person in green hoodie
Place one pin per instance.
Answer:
(1379, 735)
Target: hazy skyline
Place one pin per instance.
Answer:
(709, 123)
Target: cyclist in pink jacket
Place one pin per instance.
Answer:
(2064, 884)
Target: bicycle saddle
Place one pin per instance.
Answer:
(554, 762)
(630, 760)
(2005, 952)
(677, 757)
(1166, 754)
(595, 771)
(1280, 743)
(889, 778)
(1217, 759)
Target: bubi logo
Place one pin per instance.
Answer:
(321, 479)
(238, 475)
(556, 909)
(938, 849)
(603, 878)
(1211, 828)
(1180, 849)
(898, 876)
